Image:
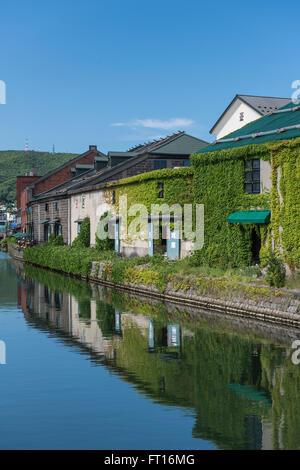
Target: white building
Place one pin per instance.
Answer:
(244, 109)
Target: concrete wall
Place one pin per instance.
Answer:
(134, 248)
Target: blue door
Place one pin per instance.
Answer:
(117, 237)
(150, 239)
(173, 244)
(117, 321)
(173, 335)
(151, 334)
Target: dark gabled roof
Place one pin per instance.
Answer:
(147, 147)
(61, 189)
(91, 178)
(101, 159)
(84, 167)
(157, 144)
(72, 161)
(106, 173)
(154, 144)
(262, 104)
(122, 154)
(139, 156)
(282, 124)
(171, 142)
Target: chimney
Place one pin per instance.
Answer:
(93, 147)
(35, 172)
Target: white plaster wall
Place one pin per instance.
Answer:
(230, 122)
(94, 207)
(265, 176)
(134, 248)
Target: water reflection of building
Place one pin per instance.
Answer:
(233, 385)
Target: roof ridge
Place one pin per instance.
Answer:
(152, 144)
(72, 160)
(243, 98)
(262, 96)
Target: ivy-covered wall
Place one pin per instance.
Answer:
(219, 184)
(145, 189)
(285, 200)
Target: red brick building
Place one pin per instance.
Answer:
(32, 185)
(63, 173)
(22, 182)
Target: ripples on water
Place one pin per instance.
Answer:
(89, 367)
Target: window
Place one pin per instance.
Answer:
(57, 300)
(186, 163)
(113, 197)
(252, 176)
(46, 294)
(57, 206)
(57, 230)
(46, 207)
(78, 227)
(47, 232)
(161, 188)
(241, 116)
(83, 202)
(159, 164)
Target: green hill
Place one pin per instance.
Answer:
(15, 163)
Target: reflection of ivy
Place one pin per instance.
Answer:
(214, 354)
(84, 308)
(207, 358)
(59, 283)
(106, 317)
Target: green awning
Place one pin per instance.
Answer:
(46, 221)
(21, 235)
(249, 217)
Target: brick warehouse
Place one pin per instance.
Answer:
(63, 173)
(170, 152)
(34, 185)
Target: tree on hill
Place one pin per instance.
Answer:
(15, 163)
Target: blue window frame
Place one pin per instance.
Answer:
(159, 164)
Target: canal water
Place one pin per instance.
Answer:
(93, 368)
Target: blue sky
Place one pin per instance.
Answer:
(118, 72)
